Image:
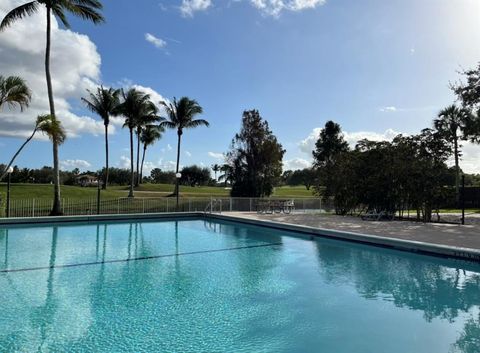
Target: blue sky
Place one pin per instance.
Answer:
(377, 67)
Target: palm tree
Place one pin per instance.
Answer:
(180, 116)
(452, 123)
(36, 128)
(105, 103)
(148, 116)
(150, 134)
(135, 105)
(85, 9)
(216, 169)
(14, 92)
(227, 175)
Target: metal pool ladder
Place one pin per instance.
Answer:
(213, 205)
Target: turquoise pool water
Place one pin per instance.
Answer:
(200, 286)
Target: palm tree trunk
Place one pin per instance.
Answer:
(105, 181)
(143, 160)
(57, 206)
(130, 194)
(179, 133)
(137, 179)
(457, 171)
(17, 153)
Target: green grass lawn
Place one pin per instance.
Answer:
(45, 191)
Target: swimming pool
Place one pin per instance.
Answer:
(215, 286)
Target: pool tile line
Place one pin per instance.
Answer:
(136, 258)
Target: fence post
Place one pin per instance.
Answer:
(231, 204)
(167, 204)
(189, 205)
(33, 208)
(143, 205)
(463, 199)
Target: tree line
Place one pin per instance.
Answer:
(407, 173)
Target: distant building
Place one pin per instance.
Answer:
(86, 180)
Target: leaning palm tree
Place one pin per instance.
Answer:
(133, 108)
(452, 123)
(150, 134)
(35, 130)
(180, 116)
(148, 116)
(14, 92)
(105, 103)
(85, 9)
(53, 128)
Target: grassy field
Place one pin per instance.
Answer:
(43, 191)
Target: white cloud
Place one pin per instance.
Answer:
(75, 65)
(149, 165)
(70, 164)
(189, 7)
(157, 42)
(169, 147)
(353, 137)
(389, 109)
(470, 160)
(307, 145)
(296, 163)
(188, 154)
(216, 155)
(124, 162)
(275, 7)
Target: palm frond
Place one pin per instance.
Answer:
(14, 91)
(104, 102)
(196, 123)
(85, 9)
(168, 124)
(52, 127)
(18, 13)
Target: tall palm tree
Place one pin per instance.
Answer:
(134, 106)
(216, 169)
(148, 116)
(180, 116)
(105, 103)
(14, 92)
(85, 9)
(150, 134)
(452, 123)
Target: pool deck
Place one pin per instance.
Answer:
(461, 240)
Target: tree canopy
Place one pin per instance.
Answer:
(255, 157)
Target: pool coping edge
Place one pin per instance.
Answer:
(372, 240)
